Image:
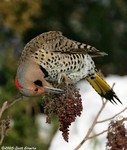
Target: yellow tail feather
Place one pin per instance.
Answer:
(102, 88)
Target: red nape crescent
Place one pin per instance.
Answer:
(17, 83)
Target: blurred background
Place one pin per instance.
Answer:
(100, 23)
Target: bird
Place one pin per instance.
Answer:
(52, 57)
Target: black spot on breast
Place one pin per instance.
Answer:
(59, 58)
(74, 67)
(82, 65)
(78, 70)
(44, 71)
(83, 56)
(71, 67)
(78, 61)
(75, 63)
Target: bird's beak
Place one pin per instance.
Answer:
(54, 90)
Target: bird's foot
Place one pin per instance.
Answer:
(63, 78)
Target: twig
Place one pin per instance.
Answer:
(92, 126)
(13, 101)
(112, 116)
(95, 135)
(5, 106)
(90, 137)
(2, 134)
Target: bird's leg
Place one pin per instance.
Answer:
(63, 78)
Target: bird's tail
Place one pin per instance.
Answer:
(103, 89)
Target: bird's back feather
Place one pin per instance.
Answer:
(54, 41)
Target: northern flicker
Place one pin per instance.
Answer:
(53, 57)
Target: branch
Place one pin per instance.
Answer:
(124, 119)
(93, 125)
(4, 124)
(2, 133)
(3, 108)
(112, 116)
(90, 137)
(7, 104)
(95, 122)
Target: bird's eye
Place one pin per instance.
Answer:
(36, 89)
(38, 82)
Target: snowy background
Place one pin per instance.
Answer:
(91, 105)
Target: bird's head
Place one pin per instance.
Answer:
(30, 88)
(30, 80)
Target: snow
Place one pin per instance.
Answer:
(44, 128)
(91, 105)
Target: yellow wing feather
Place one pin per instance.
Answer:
(102, 88)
